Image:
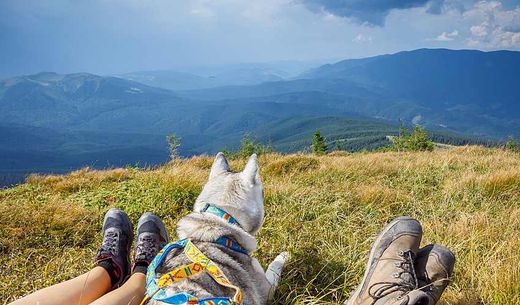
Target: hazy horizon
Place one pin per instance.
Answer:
(113, 37)
(194, 68)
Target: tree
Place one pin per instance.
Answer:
(319, 147)
(248, 146)
(512, 145)
(418, 140)
(174, 142)
(337, 145)
(403, 132)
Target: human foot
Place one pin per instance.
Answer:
(114, 253)
(390, 276)
(152, 236)
(434, 266)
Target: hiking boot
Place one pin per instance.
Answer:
(152, 236)
(390, 276)
(114, 253)
(434, 267)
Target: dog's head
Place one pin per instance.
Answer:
(239, 194)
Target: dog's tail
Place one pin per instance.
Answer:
(274, 272)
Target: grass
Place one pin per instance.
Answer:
(326, 211)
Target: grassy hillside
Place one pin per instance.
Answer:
(325, 210)
(353, 134)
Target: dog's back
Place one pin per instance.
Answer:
(239, 198)
(239, 269)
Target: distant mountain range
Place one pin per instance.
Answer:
(203, 77)
(470, 92)
(53, 122)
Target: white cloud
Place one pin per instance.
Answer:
(360, 38)
(493, 26)
(445, 36)
(118, 36)
(202, 12)
(479, 30)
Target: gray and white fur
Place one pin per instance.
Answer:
(241, 196)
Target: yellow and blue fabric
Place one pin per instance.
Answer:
(209, 208)
(224, 240)
(231, 244)
(155, 289)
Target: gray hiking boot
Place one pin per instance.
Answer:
(434, 267)
(152, 236)
(114, 253)
(390, 276)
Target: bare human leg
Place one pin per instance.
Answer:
(96, 286)
(131, 293)
(78, 291)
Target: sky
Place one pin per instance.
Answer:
(118, 36)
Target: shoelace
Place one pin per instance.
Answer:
(431, 288)
(146, 249)
(109, 245)
(383, 289)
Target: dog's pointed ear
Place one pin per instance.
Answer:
(220, 165)
(250, 173)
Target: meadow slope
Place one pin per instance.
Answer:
(326, 211)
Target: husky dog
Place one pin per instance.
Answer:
(241, 196)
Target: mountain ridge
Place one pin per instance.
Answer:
(95, 119)
(470, 92)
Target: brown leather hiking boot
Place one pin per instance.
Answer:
(434, 267)
(390, 276)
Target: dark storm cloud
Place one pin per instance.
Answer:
(373, 12)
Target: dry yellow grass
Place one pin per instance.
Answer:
(325, 210)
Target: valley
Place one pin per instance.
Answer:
(53, 122)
